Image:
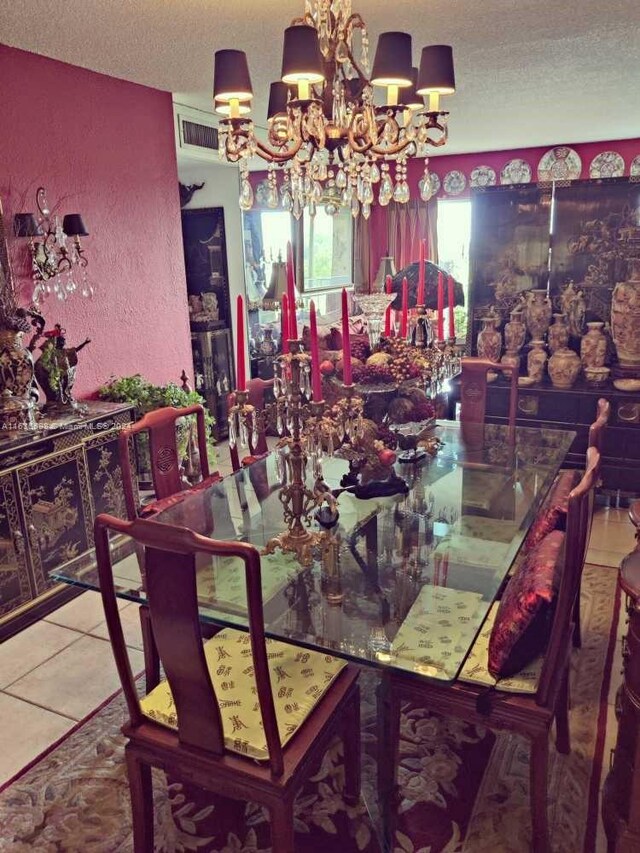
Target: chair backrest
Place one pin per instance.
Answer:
(598, 427)
(576, 542)
(163, 452)
(473, 391)
(256, 389)
(171, 554)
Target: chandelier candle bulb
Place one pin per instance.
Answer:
(316, 381)
(241, 373)
(440, 307)
(451, 303)
(291, 295)
(404, 320)
(346, 341)
(284, 324)
(420, 300)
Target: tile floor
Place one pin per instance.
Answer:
(58, 670)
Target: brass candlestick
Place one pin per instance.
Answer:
(302, 420)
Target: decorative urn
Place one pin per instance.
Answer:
(512, 359)
(16, 381)
(625, 317)
(536, 360)
(593, 346)
(537, 313)
(564, 367)
(515, 332)
(489, 339)
(558, 335)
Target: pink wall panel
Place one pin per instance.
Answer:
(105, 148)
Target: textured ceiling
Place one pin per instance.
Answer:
(532, 72)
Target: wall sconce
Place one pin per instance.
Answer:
(56, 265)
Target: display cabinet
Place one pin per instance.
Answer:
(53, 482)
(214, 372)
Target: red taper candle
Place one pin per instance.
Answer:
(404, 319)
(387, 313)
(440, 307)
(241, 371)
(346, 340)
(421, 275)
(291, 294)
(316, 381)
(284, 324)
(451, 303)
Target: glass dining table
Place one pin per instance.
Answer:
(402, 582)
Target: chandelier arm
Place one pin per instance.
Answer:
(270, 155)
(392, 149)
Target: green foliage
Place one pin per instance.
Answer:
(147, 397)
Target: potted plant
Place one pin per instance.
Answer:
(146, 397)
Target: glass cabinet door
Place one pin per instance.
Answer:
(214, 373)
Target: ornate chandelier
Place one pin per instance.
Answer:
(334, 142)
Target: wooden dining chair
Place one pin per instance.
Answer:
(257, 389)
(527, 703)
(473, 397)
(216, 719)
(160, 425)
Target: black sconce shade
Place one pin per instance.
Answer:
(301, 57)
(73, 226)
(436, 72)
(392, 62)
(278, 96)
(25, 225)
(231, 79)
(410, 97)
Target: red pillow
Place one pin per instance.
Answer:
(553, 511)
(523, 621)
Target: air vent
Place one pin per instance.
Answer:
(200, 135)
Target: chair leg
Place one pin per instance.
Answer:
(351, 750)
(282, 832)
(563, 738)
(389, 706)
(577, 634)
(150, 650)
(539, 768)
(141, 802)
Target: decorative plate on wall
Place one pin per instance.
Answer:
(516, 172)
(435, 183)
(608, 164)
(634, 168)
(560, 164)
(454, 182)
(483, 176)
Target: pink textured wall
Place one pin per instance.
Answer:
(105, 148)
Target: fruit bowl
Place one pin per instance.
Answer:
(408, 436)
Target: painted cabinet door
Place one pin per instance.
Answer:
(105, 474)
(57, 507)
(16, 582)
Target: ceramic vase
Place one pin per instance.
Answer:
(16, 381)
(512, 359)
(625, 318)
(489, 340)
(593, 346)
(515, 333)
(558, 336)
(537, 313)
(536, 360)
(564, 367)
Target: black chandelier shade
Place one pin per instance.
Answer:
(436, 72)
(231, 78)
(301, 56)
(73, 225)
(25, 225)
(278, 97)
(392, 62)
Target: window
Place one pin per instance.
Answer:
(454, 238)
(328, 249)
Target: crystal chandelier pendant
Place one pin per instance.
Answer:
(425, 185)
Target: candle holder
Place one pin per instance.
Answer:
(243, 422)
(299, 424)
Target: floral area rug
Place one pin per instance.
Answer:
(462, 788)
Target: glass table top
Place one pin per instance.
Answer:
(406, 581)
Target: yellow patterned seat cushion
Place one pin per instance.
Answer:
(475, 669)
(299, 679)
